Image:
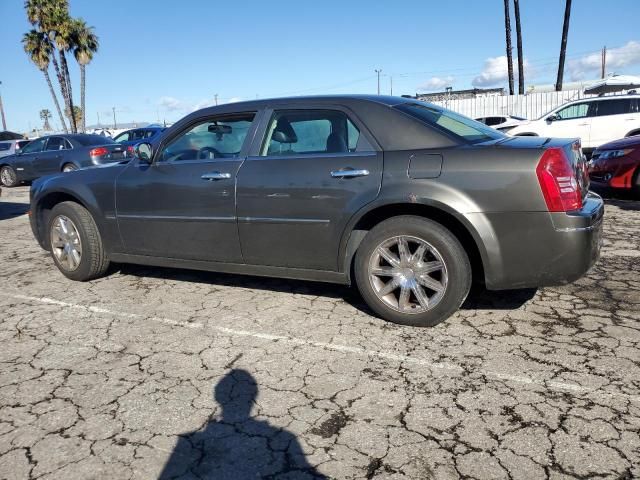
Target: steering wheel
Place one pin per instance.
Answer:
(205, 152)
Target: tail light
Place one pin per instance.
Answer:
(98, 152)
(130, 151)
(558, 181)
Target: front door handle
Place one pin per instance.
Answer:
(215, 176)
(349, 173)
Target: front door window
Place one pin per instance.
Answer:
(221, 137)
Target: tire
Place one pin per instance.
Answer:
(441, 247)
(8, 176)
(93, 262)
(69, 167)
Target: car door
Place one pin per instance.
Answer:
(183, 204)
(49, 160)
(571, 121)
(612, 121)
(24, 161)
(310, 170)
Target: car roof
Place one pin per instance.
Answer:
(316, 99)
(604, 97)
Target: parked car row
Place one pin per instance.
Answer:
(25, 160)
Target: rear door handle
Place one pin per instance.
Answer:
(215, 176)
(349, 173)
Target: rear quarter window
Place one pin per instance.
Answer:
(4, 147)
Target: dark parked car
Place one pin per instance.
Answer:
(617, 164)
(405, 199)
(58, 153)
(131, 137)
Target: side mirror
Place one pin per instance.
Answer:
(143, 152)
(552, 118)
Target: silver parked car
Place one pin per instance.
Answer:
(10, 147)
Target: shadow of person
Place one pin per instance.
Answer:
(237, 446)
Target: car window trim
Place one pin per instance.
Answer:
(243, 150)
(267, 113)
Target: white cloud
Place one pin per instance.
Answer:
(496, 72)
(617, 58)
(171, 104)
(436, 83)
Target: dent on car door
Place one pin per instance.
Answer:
(309, 172)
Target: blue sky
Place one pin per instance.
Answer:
(163, 59)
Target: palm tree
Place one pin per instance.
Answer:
(46, 16)
(516, 12)
(563, 44)
(45, 115)
(507, 30)
(37, 46)
(51, 17)
(85, 45)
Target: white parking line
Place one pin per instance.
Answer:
(441, 366)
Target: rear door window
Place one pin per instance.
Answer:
(56, 143)
(309, 132)
(614, 107)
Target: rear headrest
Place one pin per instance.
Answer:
(284, 132)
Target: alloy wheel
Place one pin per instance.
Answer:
(7, 176)
(408, 274)
(65, 243)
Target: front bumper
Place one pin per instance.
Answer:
(536, 249)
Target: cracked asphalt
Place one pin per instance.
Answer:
(153, 372)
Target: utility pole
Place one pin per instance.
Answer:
(216, 98)
(4, 121)
(563, 44)
(604, 62)
(98, 114)
(378, 71)
(115, 125)
(391, 85)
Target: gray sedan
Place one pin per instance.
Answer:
(58, 153)
(405, 199)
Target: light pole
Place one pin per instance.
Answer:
(115, 125)
(378, 71)
(4, 121)
(216, 97)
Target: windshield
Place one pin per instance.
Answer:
(453, 123)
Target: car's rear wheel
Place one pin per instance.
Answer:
(8, 176)
(69, 167)
(75, 242)
(412, 271)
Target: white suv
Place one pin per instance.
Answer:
(595, 120)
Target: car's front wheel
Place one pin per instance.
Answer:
(412, 271)
(75, 242)
(8, 176)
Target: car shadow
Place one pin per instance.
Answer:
(235, 444)
(10, 210)
(479, 298)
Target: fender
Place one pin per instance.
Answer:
(476, 225)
